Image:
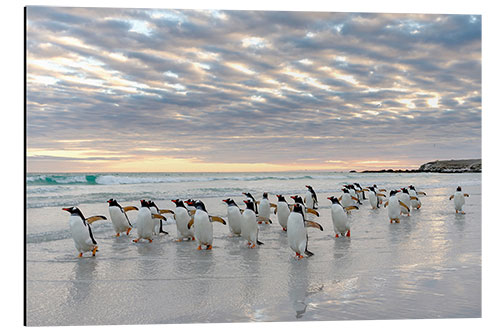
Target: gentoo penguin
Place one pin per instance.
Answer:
(203, 229)
(190, 206)
(119, 218)
(415, 201)
(158, 223)
(360, 191)
(405, 201)
(182, 219)
(311, 200)
(373, 197)
(394, 205)
(298, 200)
(250, 196)
(347, 199)
(297, 232)
(249, 228)
(233, 217)
(379, 191)
(459, 200)
(283, 211)
(340, 222)
(264, 209)
(144, 222)
(81, 232)
(354, 194)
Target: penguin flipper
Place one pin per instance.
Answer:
(312, 211)
(190, 223)
(158, 216)
(312, 224)
(92, 219)
(405, 206)
(91, 235)
(351, 208)
(165, 211)
(259, 242)
(127, 208)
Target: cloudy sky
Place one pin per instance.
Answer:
(208, 90)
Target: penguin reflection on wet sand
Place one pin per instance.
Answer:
(81, 232)
(459, 200)
(297, 232)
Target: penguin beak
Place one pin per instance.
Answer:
(66, 209)
(225, 200)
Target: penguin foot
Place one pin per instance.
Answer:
(150, 240)
(117, 234)
(298, 256)
(199, 247)
(192, 238)
(348, 233)
(80, 255)
(284, 229)
(128, 231)
(94, 250)
(260, 222)
(336, 235)
(135, 240)
(397, 221)
(253, 246)
(209, 247)
(178, 240)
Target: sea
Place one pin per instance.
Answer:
(427, 266)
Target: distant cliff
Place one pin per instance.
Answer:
(455, 166)
(452, 166)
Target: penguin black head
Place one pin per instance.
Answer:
(249, 204)
(281, 198)
(144, 203)
(393, 192)
(371, 188)
(200, 205)
(404, 190)
(189, 202)
(75, 211)
(411, 187)
(152, 204)
(178, 203)
(248, 195)
(459, 189)
(357, 185)
(298, 199)
(297, 208)
(113, 202)
(230, 202)
(264, 195)
(345, 190)
(334, 200)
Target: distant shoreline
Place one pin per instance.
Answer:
(438, 166)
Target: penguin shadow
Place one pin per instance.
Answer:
(460, 220)
(341, 246)
(299, 287)
(84, 273)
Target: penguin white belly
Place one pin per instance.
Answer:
(347, 200)
(249, 228)
(459, 200)
(203, 229)
(283, 212)
(118, 219)
(234, 219)
(144, 223)
(309, 200)
(393, 209)
(80, 234)
(373, 199)
(339, 219)
(182, 219)
(296, 233)
(264, 208)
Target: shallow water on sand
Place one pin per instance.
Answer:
(427, 266)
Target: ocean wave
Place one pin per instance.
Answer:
(108, 179)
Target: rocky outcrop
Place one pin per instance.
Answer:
(452, 166)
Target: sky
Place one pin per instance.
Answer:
(122, 90)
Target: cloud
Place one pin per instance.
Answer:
(237, 87)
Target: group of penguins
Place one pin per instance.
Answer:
(194, 223)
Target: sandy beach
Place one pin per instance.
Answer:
(428, 266)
